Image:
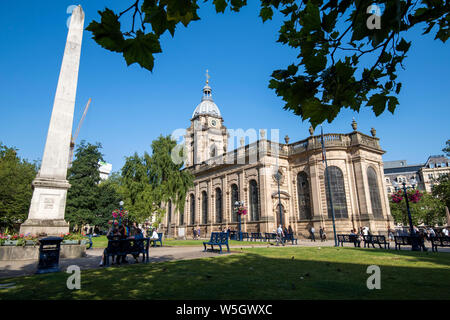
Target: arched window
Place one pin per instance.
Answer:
(337, 192)
(213, 151)
(254, 213)
(181, 217)
(169, 212)
(192, 201)
(374, 192)
(234, 198)
(204, 207)
(304, 196)
(218, 205)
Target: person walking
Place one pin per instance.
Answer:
(445, 232)
(290, 231)
(279, 233)
(194, 233)
(198, 233)
(313, 238)
(390, 234)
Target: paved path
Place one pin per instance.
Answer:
(22, 268)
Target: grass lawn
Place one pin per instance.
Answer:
(256, 273)
(102, 242)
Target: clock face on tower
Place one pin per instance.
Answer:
(213, 123)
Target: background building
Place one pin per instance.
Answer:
(105, 170)
(425, 174)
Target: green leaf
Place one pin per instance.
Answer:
(378, 103)
(266, 13)
(107, 33)
(141, 50)
(392, 104)
(221, 5)
(403, 45)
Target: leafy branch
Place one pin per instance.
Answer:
(332, 36)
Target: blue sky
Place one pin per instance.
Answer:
(131, 106)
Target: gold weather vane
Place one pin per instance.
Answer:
(207, 76)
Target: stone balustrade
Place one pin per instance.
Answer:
(256, 150)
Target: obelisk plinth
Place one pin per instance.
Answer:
(50, 186)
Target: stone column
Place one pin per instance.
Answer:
(48, 204)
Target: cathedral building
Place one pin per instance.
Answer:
(280, 183)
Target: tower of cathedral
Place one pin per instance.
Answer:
(207, 136)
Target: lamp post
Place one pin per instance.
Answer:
(237, 204)
(414, 237)
(121, 210)
(278, 178)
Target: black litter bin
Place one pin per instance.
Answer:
(49, 255)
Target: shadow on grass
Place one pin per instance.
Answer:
(276, 274)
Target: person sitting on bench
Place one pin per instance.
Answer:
(154, 236)
(355, 237)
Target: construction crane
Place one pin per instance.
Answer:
(74, 136)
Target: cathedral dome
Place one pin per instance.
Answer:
(207, 105)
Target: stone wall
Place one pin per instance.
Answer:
(19, 253)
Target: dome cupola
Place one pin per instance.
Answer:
(207, 105)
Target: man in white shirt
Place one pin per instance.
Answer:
(366, 231)
(445, 232)
(280, 235)
(313, 237)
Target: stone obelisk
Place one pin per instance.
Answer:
(50, 186)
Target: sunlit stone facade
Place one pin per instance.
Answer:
(247, 173)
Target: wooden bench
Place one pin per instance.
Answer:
(290, 237)
(121, 247)
(157, 240)
(375, 239)
(270, 236)
(255, 236)
(350, 238)
(217, 239)
(402, 241)
(439, 242)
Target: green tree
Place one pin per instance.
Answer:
(88, 201)
(447, 148)
(16, 191)
(150, 181)
(441, 189)
(345, 59)
(135, 188)
(430, 210)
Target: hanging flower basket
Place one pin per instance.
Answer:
(397, 196)
(414, 196)
(242, 211)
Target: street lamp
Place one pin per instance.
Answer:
(414, 237)
(238, 204)
(278, 178)
(121, 210)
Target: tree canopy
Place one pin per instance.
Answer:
(430, 210)
(88, 200)
(148, 182)
(332, 37)
(16, 175)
